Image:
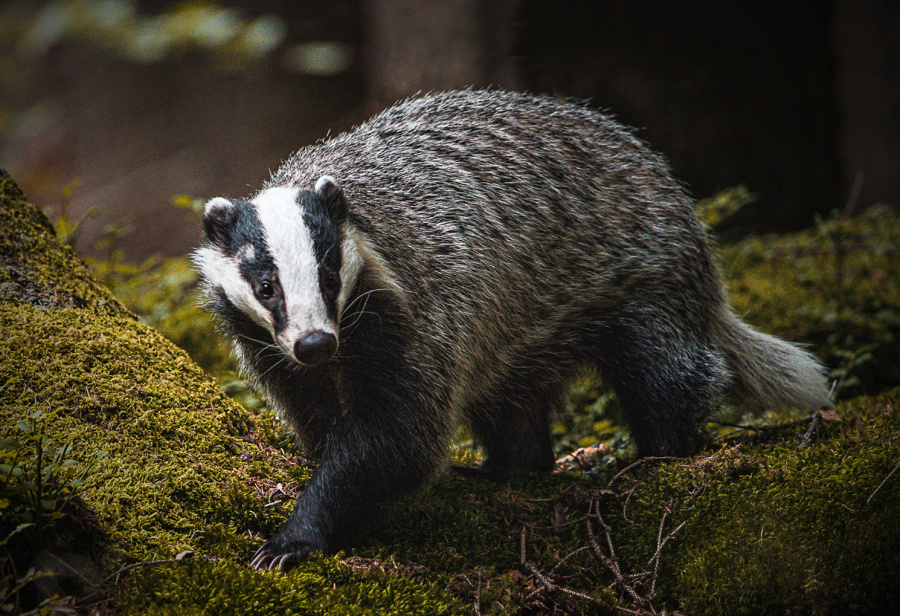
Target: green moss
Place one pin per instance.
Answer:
(779, 529)
(177, 464)
(165, 294)
(34, 267)
(321, 586)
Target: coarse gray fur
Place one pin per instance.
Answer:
(506, 215)
(507, 240)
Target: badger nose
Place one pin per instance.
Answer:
(315, 348)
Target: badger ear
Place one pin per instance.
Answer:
(331, 192)
(218, 218)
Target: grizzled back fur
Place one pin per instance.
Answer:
(490, 244)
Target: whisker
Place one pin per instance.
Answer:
(359, 315)
(358, 297)
(268, 347)
(275, 365)
(263, 342)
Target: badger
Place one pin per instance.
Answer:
(457, 258)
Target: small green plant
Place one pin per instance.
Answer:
(714, 210)
(38, 481)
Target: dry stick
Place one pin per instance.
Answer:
(872, 495)
(478, 596)
(660, 543)
(637, 463)
(145, 563)
(549, 585)
(778, 426)
(125, 568)
(662, 522)
(568, 556)
(741, 428)
(74, 570)
(611, 562)
(627, 499)
(813, 426)
(522, 546)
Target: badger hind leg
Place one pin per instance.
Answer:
(513, 425)
(667, 381)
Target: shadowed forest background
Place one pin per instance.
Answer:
(133, 482)
(117, 106)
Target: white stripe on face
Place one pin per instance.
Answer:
(223, 271)
(291, 247)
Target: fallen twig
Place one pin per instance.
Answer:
(637, 463)
(806, 439)
(884, 481)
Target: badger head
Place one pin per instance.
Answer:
(279, 262)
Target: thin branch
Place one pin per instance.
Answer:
(549, 585)
(638, 463)
(806, 439)
(884, 481)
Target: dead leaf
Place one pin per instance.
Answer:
(829, 415)
(855, 424)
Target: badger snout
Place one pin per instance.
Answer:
(315, 348)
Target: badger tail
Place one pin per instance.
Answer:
(767, 372)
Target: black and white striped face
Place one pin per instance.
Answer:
(278, 259)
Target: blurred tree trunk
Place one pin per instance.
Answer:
(411, 46)
(866, 38)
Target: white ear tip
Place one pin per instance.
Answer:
(217, 203)
(323, 182)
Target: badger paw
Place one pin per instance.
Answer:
(282, 554)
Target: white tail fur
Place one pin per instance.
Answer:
(768, 372)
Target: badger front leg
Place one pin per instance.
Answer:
(386, 444)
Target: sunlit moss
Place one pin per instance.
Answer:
(321, 586)
(35, 268)
(177, 463)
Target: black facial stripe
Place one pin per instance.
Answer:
(247, 244)
(246, 230)
(325, 232)
(235, 321)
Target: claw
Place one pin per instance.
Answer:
(280, 562)
(266, 560)
(277, 555)
(260, 559)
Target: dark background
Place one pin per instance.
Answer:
(118, 108)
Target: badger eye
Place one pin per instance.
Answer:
(331, 283)
(266, 289)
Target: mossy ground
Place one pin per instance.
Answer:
(769, 525)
